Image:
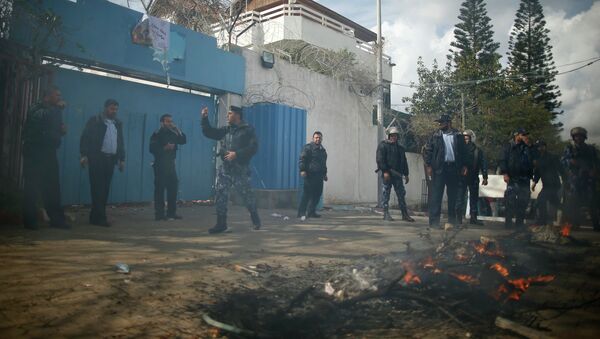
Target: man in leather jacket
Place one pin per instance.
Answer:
(238, 146)
(42, 136)
(444, 161)
(475, 162)
(163, 145)
(516, 165)
(391, 162)
(313, 168)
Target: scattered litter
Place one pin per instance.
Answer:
(127, 281)
(87, 285)
(276, 215)
(303, 218)
(122, 268)
(286, 218)
(323, 238)
(240, 268)
(448, 226)
(329, 289)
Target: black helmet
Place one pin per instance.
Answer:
(578, 130)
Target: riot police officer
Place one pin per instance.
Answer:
(391, 162)
(238, 146)
(582, 164)
(548, 169)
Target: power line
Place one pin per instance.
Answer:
(514, 76)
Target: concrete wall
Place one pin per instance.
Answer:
(344, 117)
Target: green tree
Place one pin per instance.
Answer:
(530, 54)
(433, 96)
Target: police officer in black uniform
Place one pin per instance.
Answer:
(391, 162)
(548, 168)
(476, 163)
(238, 146)
(313, 168)
(42, 135)
(516, 165)
(163, 145)
(582, 165)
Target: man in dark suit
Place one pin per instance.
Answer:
(102, 147)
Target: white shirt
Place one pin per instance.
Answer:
(109, 145)
(449, 143)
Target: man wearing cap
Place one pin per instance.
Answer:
(476, 163)
(391, 162)
(516, 164)
(444, 161)
(102, 147)
(238, 146)
(313, 168)
(163, 145)
(547, 167)
(582, 165)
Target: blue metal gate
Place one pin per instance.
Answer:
(139, 110)
(281, 132)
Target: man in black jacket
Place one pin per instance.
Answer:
(313, 168)
(163, 145)
(475, 162)
(444, 161)
(102, 147)
(238, 146)
(516, 164)
(41, 138)
(391, 162)
(548, 168)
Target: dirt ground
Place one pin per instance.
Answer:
(57, 283)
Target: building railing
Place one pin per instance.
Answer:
(254, 17)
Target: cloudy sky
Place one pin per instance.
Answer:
(425, 28)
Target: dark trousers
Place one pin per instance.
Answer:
(40, 174)
(311, 194)
(396, 183)
(516, 198)
(101, 171)
(447, 178)
(470, 184)
(548, 195)
(165, 178)
(581, 194)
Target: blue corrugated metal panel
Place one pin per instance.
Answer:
(99, 32)
(140, 109)
(281, 132)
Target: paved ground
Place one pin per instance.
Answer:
(56, 283)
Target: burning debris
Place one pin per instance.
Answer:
(465, 283)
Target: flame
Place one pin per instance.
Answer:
(565, 231)
(519, 286)
(410, 277)
(428, 263)
(482, 248)
(500, 269)
(466, 278)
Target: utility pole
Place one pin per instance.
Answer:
(379, 68)
(462, 108)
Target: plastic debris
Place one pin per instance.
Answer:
(329, 289)
(122, 268)
(276, 215)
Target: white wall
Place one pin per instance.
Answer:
(344, 118)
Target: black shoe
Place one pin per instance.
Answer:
(32, 227)
(62, 226)
(475, 221)
(408, 218)
(314, 215)
(220, 226)
(174, 217)
(160, 218)
(102, 223)
(255, 220)
(387, 216)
